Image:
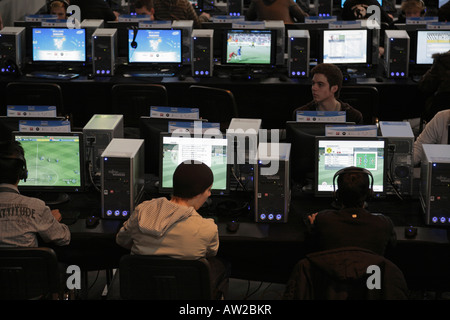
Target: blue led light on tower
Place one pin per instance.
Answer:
(298, 53)
(202, 53)
(397, 53)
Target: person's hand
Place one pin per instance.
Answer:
(207, 15)
(56, 214)
(312, 217)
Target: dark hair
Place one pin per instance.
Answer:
(11, 161)
(143, 3)
(332, 73)
(444, 12)
(353, 189)
(191, 178)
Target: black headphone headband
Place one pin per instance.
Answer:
(64, 2)
(23, 174)
(352, 170)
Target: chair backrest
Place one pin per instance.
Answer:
(365, 99)
(342, 274)
(28, 273)
(439, 102)
(215, 104)
(164, 278)
(135, 100)
(34, 94)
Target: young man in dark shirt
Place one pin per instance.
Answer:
(326, 86)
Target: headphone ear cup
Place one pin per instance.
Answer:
(24, 171)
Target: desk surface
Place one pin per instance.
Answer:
(268, 252)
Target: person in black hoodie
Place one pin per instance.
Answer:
(352, 224)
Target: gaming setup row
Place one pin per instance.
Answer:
(163, 48)
(242, 159)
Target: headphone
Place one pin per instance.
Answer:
(23, 172)
(349, 170)
(64, 2)
(420, 4)
(134, 43)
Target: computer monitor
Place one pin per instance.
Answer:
(59, 45)
(154, 46)
(430, 42)
(249, 47)
(150, 130)
(302, 136)
(336, 153)
(211, 150)
(55, 164)
(346, 47)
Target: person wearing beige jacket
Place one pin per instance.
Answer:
(173, 227)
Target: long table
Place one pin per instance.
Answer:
(272, 99)
(268, 252)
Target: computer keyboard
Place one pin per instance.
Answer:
(69, 216)
(148, 74)
(53, 75)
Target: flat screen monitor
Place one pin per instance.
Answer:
(59, 45)
(249, 47)
(150, 130)
(336, 153)
(430, 42)
(211, 150)
(302, 136)
(55, 162)
(154, 46)
(346, 47)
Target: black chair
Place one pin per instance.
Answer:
(215, 104)
(135, 100)
(343, 274)
(28, 273)
(144, 277)
(34, 94)
(365, 99)
(439, 101)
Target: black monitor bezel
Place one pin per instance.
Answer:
(69, 189)
(165, 190)
(353, 138)
(369, 48)
(131, 63)
(273, 48)
(67, 64)
(416, 44)
(146, 126)
(293, 129)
